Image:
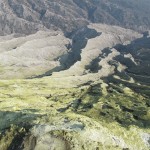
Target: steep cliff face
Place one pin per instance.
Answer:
(28, 16)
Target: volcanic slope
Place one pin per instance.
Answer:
(99, 99)
(28, 16)
(32, 55)
(46, 52)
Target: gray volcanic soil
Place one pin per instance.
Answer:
(46, 52)
(29, 16)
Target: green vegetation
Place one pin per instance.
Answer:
(97, 115)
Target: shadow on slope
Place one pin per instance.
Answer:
(119, 106)
(79, 41)
(140, 51)
(15, 126)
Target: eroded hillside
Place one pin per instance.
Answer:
(47, 52)
(88, 92)
(28, 16)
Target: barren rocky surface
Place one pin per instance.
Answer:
(32, 55)
(28, 16)
(108, 37)
(50, 51)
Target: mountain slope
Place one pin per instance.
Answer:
(50, 51)
(33, 55)
(28, 16)
(68, 83)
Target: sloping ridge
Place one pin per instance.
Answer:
(46, 52)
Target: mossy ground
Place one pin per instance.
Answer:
(106, 109)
